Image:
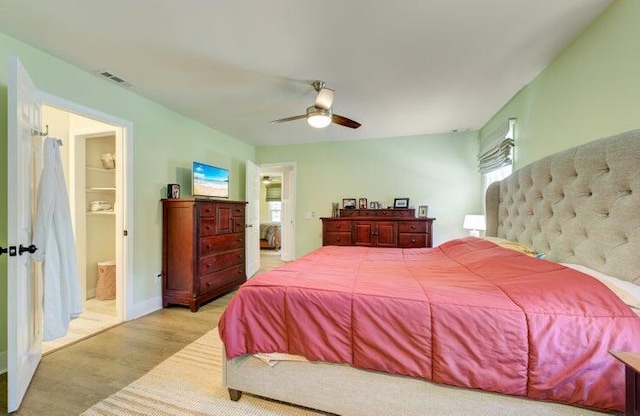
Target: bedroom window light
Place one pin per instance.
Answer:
(495, 158)
(275, 211)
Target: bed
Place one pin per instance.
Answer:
(270, 235)
(485, 345)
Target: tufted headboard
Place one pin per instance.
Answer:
(581, 205)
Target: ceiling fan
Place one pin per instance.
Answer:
(320, 115)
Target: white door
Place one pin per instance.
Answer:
(24, 290)
(252, 233)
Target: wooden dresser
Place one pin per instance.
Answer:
(377, 228)
(203, 250)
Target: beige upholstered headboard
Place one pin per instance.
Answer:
(581, 205)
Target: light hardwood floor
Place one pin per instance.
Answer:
(72, 379)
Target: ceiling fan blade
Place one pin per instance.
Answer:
(325, 98)
(343, 121)
(282, 120)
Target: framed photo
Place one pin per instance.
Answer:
(173, 191)
(422, 211)
(401, 203)
(362, 203)
(374, 205)
(349, 203)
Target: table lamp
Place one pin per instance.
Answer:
(474, 223)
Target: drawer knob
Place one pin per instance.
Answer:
(338, 239)
(413, 227)
(413, 240)
(207, 210)
(338, 226)
(209, 283)
(239, 271)
(209, 246)
(208, 265)
(208, 227)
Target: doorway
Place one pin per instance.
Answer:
(89, 155)
(277, 210)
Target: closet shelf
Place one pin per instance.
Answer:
(105, 189)
(100, 169)
(101, 213)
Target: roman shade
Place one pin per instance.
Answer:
(496, 150)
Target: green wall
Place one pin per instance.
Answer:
(591, 90)
(165, 143)
(435, 170)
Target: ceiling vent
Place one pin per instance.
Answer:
(114, 78)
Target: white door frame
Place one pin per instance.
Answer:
(124, 190)
(252, 221)
(288, 232)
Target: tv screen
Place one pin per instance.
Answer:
(210, 181)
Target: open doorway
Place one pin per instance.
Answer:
(90, 154)
(277, 208)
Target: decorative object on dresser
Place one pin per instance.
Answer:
(349, 203)
(377, 228)
(362, 203)
(335, 209)
(401, 203)
(203, 250)
(422, 211)
(173, 190)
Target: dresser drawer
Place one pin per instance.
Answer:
(412, 240)
(221, 278)
(338, 226)
(207, 227)
(412, 226)
(206, 209)
(338, 239)
(211, 245)
(217, 262)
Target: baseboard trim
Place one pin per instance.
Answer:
(144, 308)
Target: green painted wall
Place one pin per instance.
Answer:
(165, 143)
(591, 90)
(435, 170)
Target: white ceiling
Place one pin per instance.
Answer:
(402, 67)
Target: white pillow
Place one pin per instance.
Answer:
(627, 291)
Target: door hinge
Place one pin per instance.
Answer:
(125, 233)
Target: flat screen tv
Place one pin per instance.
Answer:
(210, 181)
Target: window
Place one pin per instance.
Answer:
(275, 211)
(495, 159)
(495, 176)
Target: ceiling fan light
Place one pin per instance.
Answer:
(318, 118)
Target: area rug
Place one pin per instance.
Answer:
(189, 383)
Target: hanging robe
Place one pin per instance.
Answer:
(53, 236)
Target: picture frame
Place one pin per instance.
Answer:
(349, 203)
(362, 203)
(400, 203)
(173, 191)
(374, 205)
(422, 211)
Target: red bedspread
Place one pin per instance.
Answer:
(467, 313)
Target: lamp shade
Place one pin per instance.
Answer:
(474, 223)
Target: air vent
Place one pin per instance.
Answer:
(108, 75)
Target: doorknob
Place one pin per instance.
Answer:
(249, 226)
(31, 249)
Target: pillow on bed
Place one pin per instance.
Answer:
(627, 291)
(512, 245)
